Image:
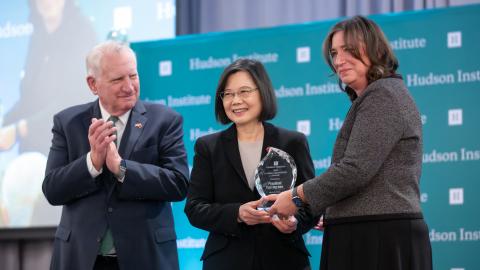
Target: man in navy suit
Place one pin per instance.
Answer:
(115, 165)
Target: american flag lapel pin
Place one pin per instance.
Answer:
(138, 125)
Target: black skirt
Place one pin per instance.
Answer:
(380, 244)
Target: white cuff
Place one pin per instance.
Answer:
(91, 169)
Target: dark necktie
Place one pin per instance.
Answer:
(114, 119)
(107, 246)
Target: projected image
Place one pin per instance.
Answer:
(42, 71)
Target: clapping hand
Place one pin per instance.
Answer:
(100, 135)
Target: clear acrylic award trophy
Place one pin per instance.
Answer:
(275, 173)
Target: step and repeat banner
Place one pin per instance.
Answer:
(439, 61)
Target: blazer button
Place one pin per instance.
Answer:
(99, 239)
(110, 209)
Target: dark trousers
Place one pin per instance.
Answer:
(106, 263)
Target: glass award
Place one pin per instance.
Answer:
(275, 173)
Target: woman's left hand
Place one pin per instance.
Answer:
(285, 225)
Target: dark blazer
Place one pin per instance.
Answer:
(217, 189)
(137, 211)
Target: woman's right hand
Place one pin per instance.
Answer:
(249, 214)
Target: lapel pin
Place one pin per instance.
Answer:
(138, 125)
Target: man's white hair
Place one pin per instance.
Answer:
(95, 56)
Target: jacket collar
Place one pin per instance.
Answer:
(134, 128)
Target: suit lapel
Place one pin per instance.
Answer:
(270, 138)
(94, 112)
(134, 128)
(230, 142)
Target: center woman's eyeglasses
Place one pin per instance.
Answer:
(243, 93)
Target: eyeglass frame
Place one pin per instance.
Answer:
(246, 93)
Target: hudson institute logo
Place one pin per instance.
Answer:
(456, 196)
(303, 126)
(454, 39)
(165, 68)
(303, 54)
(455, 117)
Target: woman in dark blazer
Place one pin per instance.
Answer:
(222, 197)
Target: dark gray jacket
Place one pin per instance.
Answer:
(377, 158)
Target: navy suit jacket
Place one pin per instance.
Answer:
(137, 211)
(219, 186)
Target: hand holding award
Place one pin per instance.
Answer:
(276, 173)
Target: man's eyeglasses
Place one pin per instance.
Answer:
(242, 93)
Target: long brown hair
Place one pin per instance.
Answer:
(362, 33)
